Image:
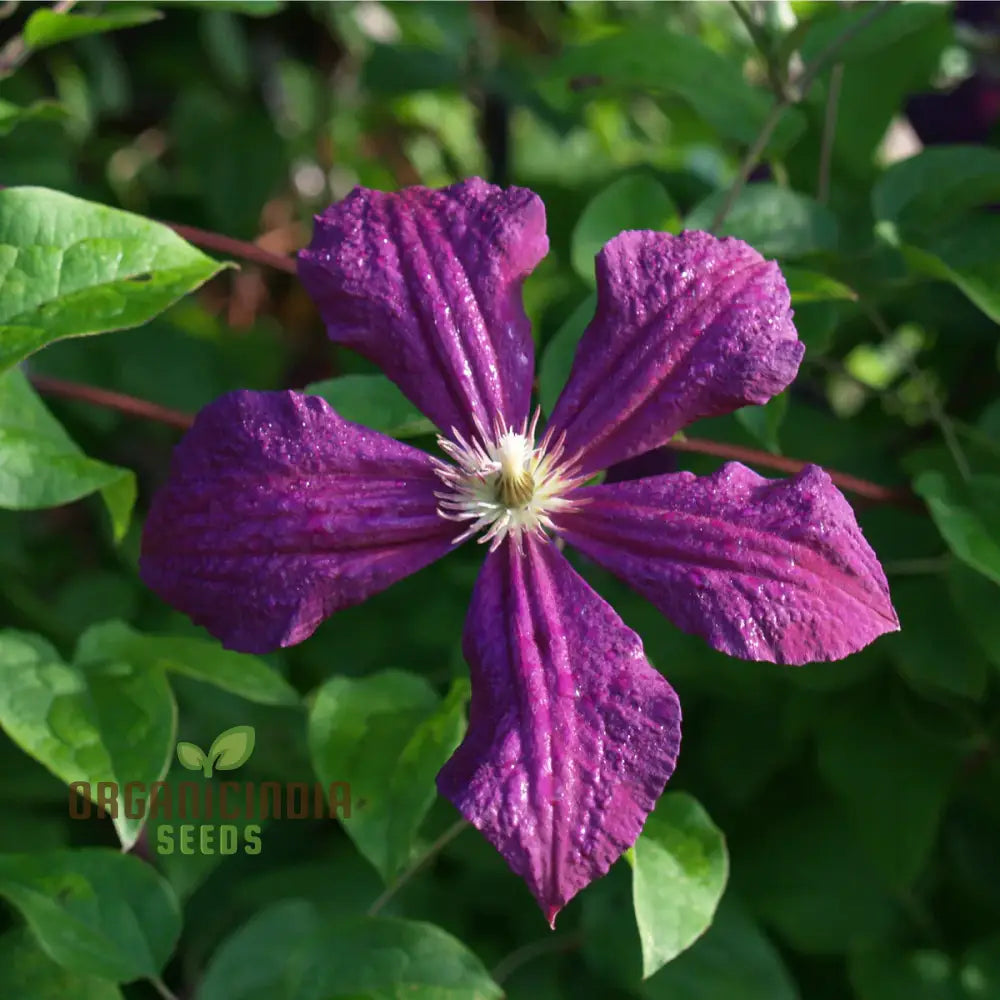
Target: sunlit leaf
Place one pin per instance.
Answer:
(633, 60)
(202, 659)
(968, 517)
(387, 735)
(109, 723)
(636, 201)
(49, 27)
(41, 466)
(70, 267)
(775, 221)
(680, 867)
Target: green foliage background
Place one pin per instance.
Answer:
(847, 815)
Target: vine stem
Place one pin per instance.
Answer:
(829, 133)
(134, 407)
(432, 851)
(759, 38)
(238, 248)
(781, 463)
(14, 53)
(161, 987)
(146, 410)
(534, 949)
(792, 95)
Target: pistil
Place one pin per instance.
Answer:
(504, 483)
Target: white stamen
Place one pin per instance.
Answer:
(503, 482)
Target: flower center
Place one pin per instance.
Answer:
(503, 482)
(515, 484)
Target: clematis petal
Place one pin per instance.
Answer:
(686, 327)
(763, 569)
(572, 734)
(278, 512)
(427, 284)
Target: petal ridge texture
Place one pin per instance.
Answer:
(427, 285)
(278, 512)
(572, 734)
(686, 327)
(762, 569)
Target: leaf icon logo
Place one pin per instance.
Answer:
(230, 749)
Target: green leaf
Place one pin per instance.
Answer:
(201, 659)
(872, 90)
(232, 749)
(43, 467)
(680, 867)
(633, 60)
(374, 958)
(967, 256)
(976, 600)
(388, 735)
(73, 719)
(636, 201)
(413, 784)
(557, 358)
(27, 973)
(892, 779)
(375, 402)
(808, 286)
(70, 268)
(39, 111)
(893, 23)
(95, 910)
(733, 960)
(819, 890)
(251, 8)
(968, 517)
(50, 27)
(190, 755)
(773, 220)
(931, 188)
(816, 323)
(932, 649)
(763, 422)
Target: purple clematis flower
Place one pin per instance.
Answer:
(278, 512)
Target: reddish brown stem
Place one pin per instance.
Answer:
(733, 452)
(111, 400)
(237, 248)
